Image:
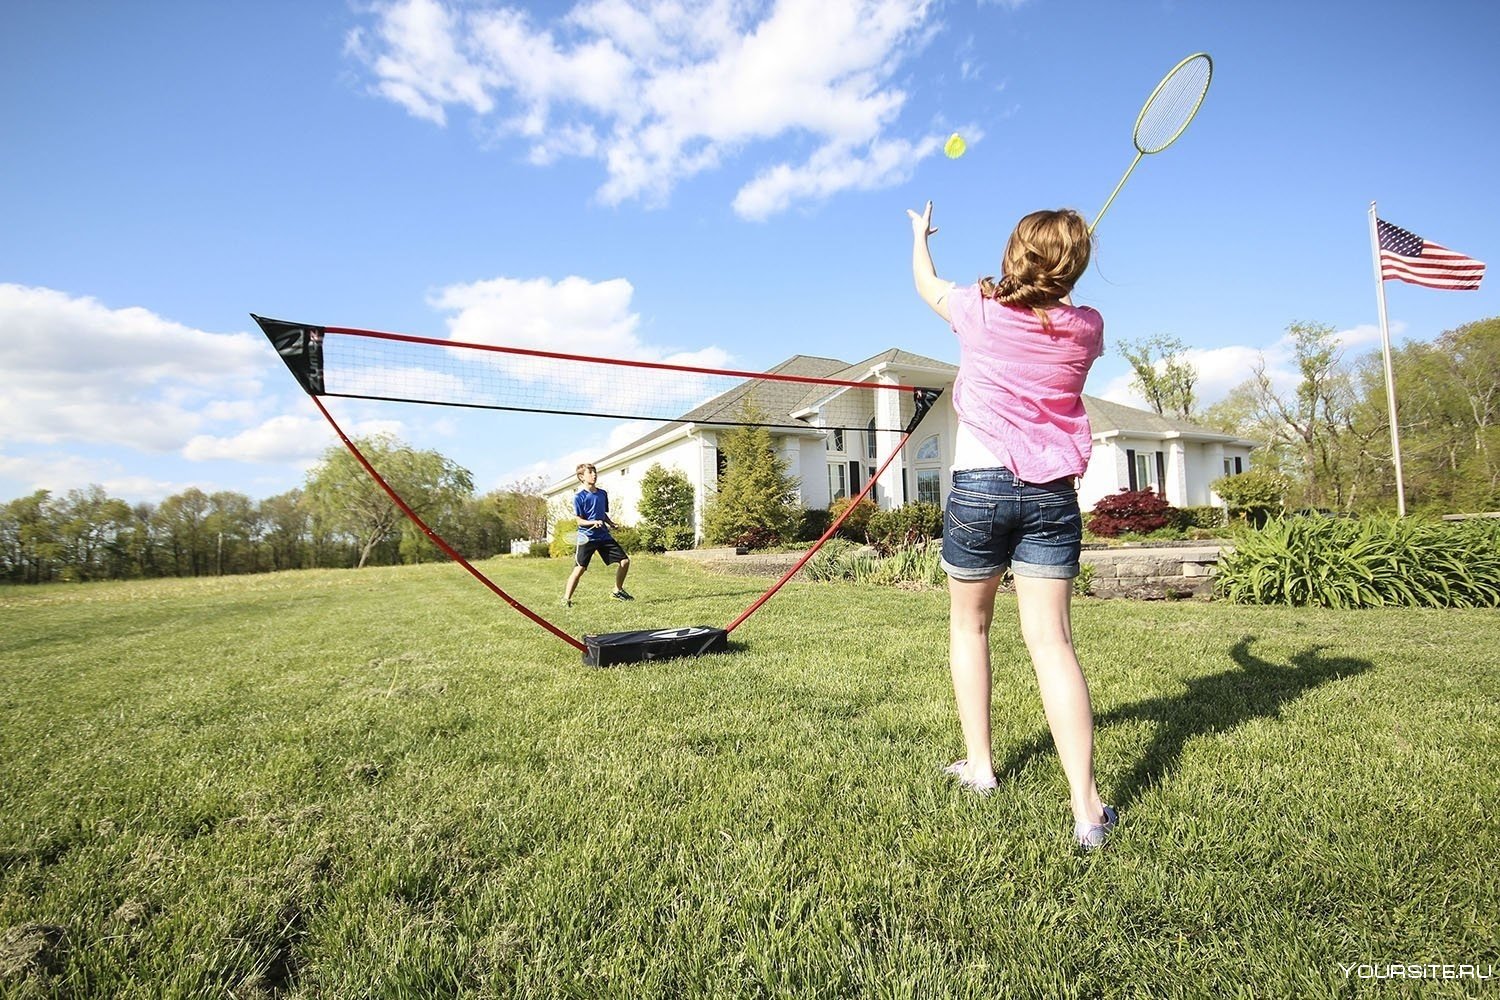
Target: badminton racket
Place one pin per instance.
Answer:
(1166, 113)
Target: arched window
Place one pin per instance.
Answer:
(870, 440)
(929, 462)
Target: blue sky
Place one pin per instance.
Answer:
(722, 181)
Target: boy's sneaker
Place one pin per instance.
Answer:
(620, 595)
(1092, 835)
(567, 603)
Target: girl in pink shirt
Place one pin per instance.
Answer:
(1023, 438)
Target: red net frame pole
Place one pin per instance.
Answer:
(826, 535)
(438, 540)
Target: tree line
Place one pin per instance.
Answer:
(1329, 436)
(338, 518)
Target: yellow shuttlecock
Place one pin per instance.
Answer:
(955, 146)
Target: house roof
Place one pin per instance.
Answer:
(783, 399)
(779, 399)
(1107, 418)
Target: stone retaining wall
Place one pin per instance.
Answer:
(1154, 573)
(1144, 573)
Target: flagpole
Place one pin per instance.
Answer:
(1390, 376)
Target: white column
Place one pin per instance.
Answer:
(1177, 492)
(888, 415)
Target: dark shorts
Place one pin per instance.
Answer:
(609, 550)
(993, 522)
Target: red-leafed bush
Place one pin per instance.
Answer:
(1137, 512)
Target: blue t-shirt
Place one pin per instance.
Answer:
(592, 506)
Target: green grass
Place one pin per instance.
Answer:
(386, 783)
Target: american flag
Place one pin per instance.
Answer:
(1407, 257)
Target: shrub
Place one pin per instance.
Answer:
(856, 526)
(628, 537)
(1255, 495)
(812, 522)
(676, 537)
(1135, 511)
(540, 550)
(564, 540)
(665, 509)
(755, 502)
(909, 524)
(756, 536)
(1337, 563)
(1084, 581)
(1207, 516)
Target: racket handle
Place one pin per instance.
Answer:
(1111, 199)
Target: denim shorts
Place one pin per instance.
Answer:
(994, 521)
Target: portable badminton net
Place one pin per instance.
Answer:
(343, 362)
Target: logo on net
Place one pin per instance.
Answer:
(686, 632)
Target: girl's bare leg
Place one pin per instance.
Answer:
(971, 607)
(1046, 625)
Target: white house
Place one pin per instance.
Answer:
(1133, 449)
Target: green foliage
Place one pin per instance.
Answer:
(1163, 374)
(856, 525)
(1205, 516)
(1083, 583)
(564, 541)
(1254, 495)
(910, 524)
(1368, 563)
(908, 566)
(671, 538)
(628, 537)
(345, 500)
(1139, 512)
(755, 504)
(812, 522)
(1331, 436)
(833, 561)
(665, 509)
(540, 550)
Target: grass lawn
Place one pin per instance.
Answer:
(386, 783)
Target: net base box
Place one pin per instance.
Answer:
(610, 648)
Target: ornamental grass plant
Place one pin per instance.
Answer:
(1365, 563)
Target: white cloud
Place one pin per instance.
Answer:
(661, 90)
(571, 316)
(561, 468)
(1221, 369)
(80, 371)
(829, 170)
(60, 473)
(283, 438)
(300, 441)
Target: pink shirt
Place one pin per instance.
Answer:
(1020, 386)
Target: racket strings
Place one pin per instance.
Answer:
(1173, 105)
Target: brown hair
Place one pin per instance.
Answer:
(1044, 258)
(584, 467)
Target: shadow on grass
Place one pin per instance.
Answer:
(1216, 703)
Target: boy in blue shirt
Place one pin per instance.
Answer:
(592, 507)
